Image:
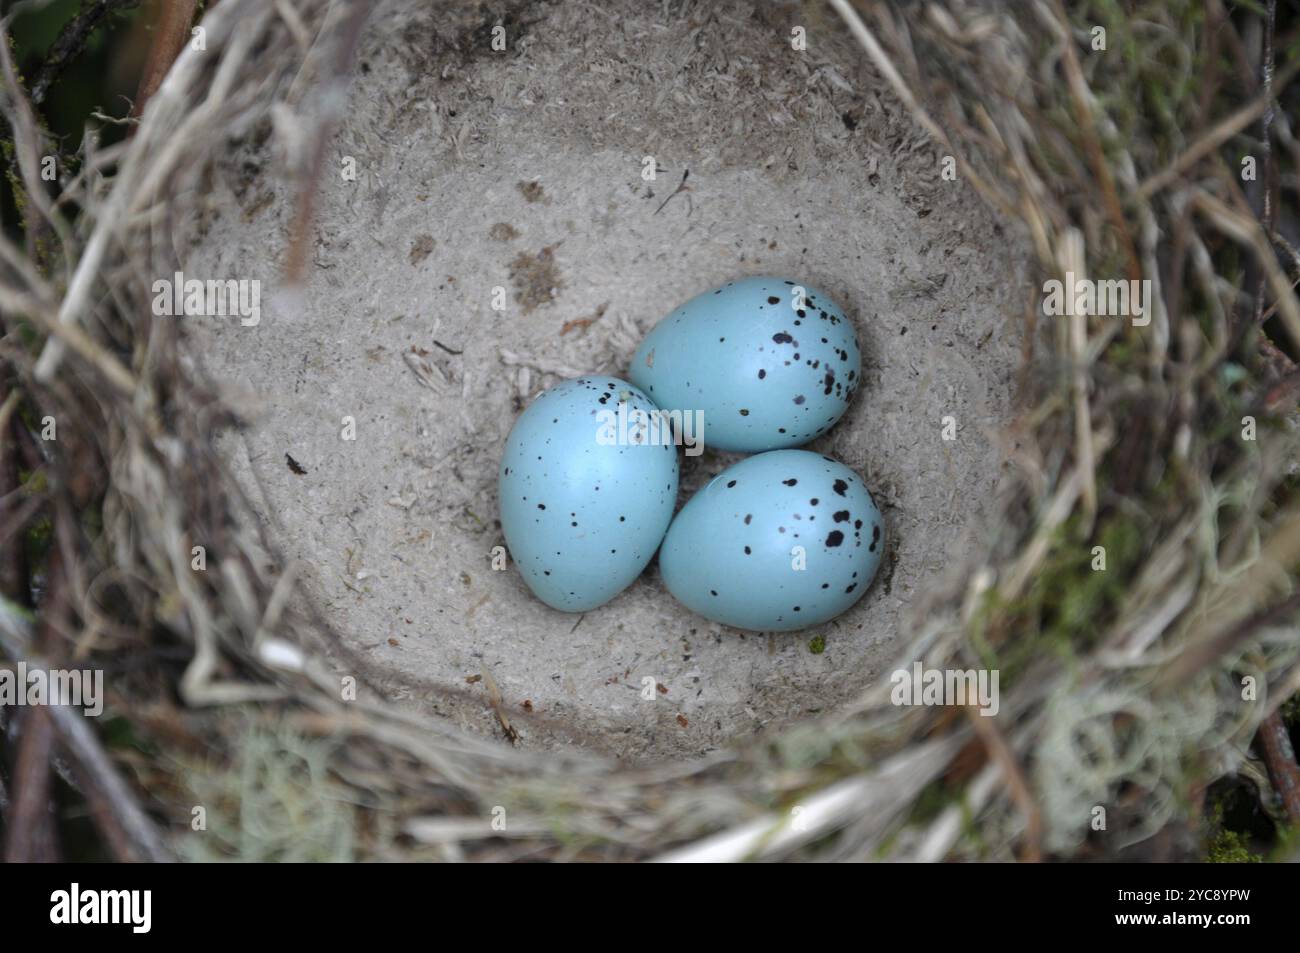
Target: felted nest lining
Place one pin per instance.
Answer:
(471, 190)
(1120, 689)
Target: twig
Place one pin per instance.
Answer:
(1266, 147)
(31, 833)
(332, 100)
(494, 698)
(886, 66)
(681, 187)
(1080, 97)
(877, 796)
(1000, 752)
(1279, 755)
(84, 747)
(171, 30)
(13, 561)
(1074, 261)
(1200, 654)
(72, 41)
(1218, 134)
(1245, 230)
(30, 141)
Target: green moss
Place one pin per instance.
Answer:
(817, 644)
(33, 483)
(1237, 829)
(120, 732)
(1290, 711)
(1089, 592)
(37, 540)
(1068, 601)
(1229, 847)
(8, 153)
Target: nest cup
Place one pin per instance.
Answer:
(488, 249)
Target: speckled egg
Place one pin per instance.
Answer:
(782, 540)
(588, 482)
(770, 363)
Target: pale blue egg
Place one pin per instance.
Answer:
(585, 500)
(779, 541)
(768, 362)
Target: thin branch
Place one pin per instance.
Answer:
(84, 747)
(171, 30)
(72, 41)
(1275, 744)
(995, 743)
(1266, 146)
(31, 833)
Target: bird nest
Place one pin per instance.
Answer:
(1136, 598)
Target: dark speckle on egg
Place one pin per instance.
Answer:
(790, 482)
(835, 538)
(840, 486)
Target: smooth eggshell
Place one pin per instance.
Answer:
(732, 554)
(582, 518)
(766, 368)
